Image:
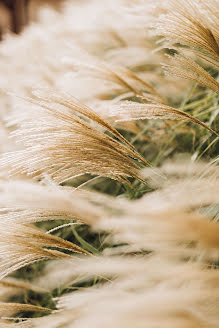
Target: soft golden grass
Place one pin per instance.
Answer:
(163, 222)
(28, 201)
(28, 248)
(158, 267)
(161, 288)
(166, 220)
(191, 23)
(64, 144)
(178, 291)
(119, 75)
(12, 283)
(128, 111)
(7, 309)
(187, 68)
(27, 243)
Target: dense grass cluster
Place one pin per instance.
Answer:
(109, 177)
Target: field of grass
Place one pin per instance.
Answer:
(109, 176)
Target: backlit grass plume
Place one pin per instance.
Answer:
(192, 23)
(128, 111)
(64, 142)
(192, 26)
(186, 68)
